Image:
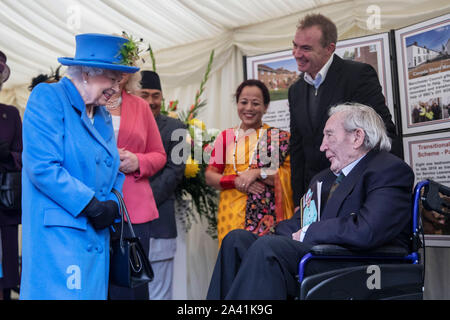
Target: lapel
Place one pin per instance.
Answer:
(327, 182)
(161, 122)
(127, 120)
(346, 186)
(329, 90)
(303, 96)
(102, 128)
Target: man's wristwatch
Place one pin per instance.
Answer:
(263, 174)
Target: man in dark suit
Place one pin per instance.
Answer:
(326, 80)
(163, 231)
(370, 207)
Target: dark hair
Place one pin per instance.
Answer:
(254, 83)
(53, 77)
(328, 28)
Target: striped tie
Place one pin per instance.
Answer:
(335, 184)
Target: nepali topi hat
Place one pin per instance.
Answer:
(150, 80)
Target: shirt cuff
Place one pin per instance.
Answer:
(303, 233)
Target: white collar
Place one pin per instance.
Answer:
(320, 77)
(348, 168)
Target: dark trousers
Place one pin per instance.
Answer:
(249, 267)
(262, 268)
(142, 231)
(10, 261)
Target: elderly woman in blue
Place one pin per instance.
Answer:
(70, 166)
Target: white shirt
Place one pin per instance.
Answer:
(116, 125)
(348, 168)
(346, 171)
(320, 76)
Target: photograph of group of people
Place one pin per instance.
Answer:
(430, 110)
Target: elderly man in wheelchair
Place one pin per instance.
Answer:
(364, 241)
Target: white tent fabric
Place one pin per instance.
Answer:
(182, 34)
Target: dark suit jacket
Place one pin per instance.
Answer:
(346, 81)
(11, 131)
(165, 181)
(371, 207)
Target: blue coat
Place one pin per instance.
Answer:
(66, 161)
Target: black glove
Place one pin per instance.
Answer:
(4, 149)
(101, 213)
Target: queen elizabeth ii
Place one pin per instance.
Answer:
(70, 166)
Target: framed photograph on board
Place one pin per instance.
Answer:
(278, 70)
(429, 157)
(373, 50)
(423, 62)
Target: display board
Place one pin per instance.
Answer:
(423, 62)
(278, 71)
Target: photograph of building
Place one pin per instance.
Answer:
(278, 77)
(428, 53)
(366, 54)
(418, 55)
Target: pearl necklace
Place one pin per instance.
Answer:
(115, 105)
(236, 134)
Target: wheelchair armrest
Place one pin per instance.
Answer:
(335, 250)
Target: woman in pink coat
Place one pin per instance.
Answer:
(141, 156)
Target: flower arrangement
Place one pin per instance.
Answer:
(193, 186)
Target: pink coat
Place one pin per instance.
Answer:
(139, 134)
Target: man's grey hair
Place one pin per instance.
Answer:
(364, 117)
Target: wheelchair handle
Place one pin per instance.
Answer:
(443, 189)
(432, 200)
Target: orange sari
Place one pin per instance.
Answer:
(234, 204)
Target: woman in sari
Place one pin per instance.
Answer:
(250, 165)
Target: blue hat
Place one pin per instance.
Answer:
(98, 51)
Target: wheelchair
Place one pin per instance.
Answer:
(387, 273)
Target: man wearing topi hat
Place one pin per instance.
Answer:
(70, 166)
(163, 231)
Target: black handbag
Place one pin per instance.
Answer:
(129, 265)
(10, 190)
